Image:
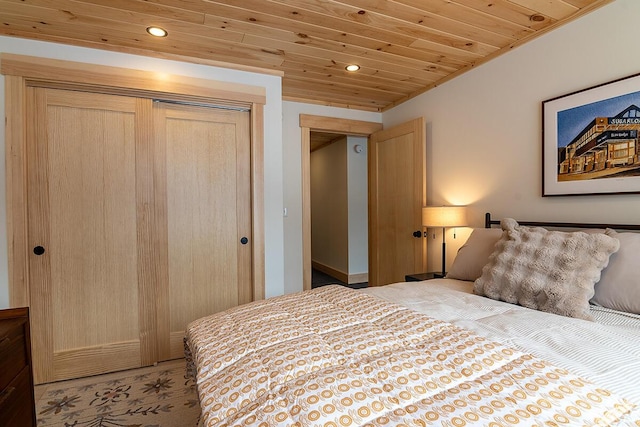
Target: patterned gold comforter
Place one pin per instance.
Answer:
(338, 357)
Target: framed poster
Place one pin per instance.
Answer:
(590, 140)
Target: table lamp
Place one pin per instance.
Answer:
(445, 217)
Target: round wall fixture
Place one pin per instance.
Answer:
(357, 148)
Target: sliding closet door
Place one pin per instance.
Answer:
(208, 211)
(139, 223)
(82, 232)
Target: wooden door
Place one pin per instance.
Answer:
(208, 210)
(397, 192)
(82, 234)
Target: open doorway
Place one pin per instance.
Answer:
(339, 217)
(333, 125)
(396, 192)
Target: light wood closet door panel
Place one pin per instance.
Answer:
(82, 210)
(208, 213)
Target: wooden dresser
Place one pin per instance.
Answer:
(17, 406)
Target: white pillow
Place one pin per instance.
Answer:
(619, 285)
(544, 270)
(474, 254)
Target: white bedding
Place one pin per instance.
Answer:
(334, 356)
(606, 351)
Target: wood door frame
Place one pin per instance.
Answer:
(310, 123)
(22, 72)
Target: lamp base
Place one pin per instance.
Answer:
(444, 253)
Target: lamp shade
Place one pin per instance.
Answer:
(444, 216)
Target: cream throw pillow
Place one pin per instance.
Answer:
(619, 286)
(546, 270)
(474, 254)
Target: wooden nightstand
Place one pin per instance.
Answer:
(17, 406)
(418, 277)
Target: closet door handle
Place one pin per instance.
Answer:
(417, 233)
(244, 240)
(38, 250)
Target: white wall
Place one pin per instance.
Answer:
(274, 244)
(293, 180)
(484, 127)
(358, 189)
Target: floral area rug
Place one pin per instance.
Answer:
(155, 396)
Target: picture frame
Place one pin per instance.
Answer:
(591, 140)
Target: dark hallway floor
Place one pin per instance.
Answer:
(318, 278)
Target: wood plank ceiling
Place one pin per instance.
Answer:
(404, 47)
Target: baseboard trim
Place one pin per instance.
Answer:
(358, 278)
(340, 275)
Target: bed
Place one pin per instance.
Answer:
(435, 352)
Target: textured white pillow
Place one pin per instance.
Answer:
(550, 271)
(474, 254)
(619, 285)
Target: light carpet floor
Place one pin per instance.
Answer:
(155, 396)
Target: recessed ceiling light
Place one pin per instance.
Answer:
(352, 67)
(157, 31)
(537, 18)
